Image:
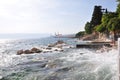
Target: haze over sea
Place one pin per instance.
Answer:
(70, 64)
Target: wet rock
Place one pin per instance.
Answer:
(51, 45)
(61, 50)
(57, 44)
(52, 78)
(56, 50)
(27, 52)
(81, 53)
(35, 50)
(49, 48)
(19, 52)
(43, 66)
(64, 69)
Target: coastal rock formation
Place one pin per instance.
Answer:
(57, 46)
(91, 36)
(27, 51)
(36, 50)
(19, 52)
(33, 50)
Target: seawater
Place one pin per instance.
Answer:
(71, 64)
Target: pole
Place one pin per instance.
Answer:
(118, 58)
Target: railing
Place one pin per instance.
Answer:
(118, 58)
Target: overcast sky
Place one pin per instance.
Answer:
(48, 16)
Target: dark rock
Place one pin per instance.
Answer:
(49, 48)
(62, 50)
(35, 50)
(27, 52)
(19, 52)
(81, 53)
(51, 45)
(55, 44)
(59, 42)
(64, 69)
(56, 50)
(43, 66)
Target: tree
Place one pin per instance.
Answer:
(118, 8)
(88, 28)
(96, 17)
(100, 28)
(106, 17)
(80, 34)
(96, 20)
(114, 26)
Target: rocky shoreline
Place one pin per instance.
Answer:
(57, 46)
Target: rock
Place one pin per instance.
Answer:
(59, 42)
(56, 50)
(35, 50)
(19, 52)
(49, 48)
(61, 50)
(51, 45)
(27, 52)
(64, 69)
(59, 46)
(81, 53)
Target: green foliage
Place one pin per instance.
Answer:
(80, 34)
(106, 17)
(96, 20)
(118, 0)
(88, 28)
(118, 8)
(96, 17)
(100, 28)
(114, 24)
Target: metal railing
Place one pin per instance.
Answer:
(118, 58)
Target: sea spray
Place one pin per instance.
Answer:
(71, 64)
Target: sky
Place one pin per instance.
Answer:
(48, 16)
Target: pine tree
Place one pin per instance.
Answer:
(97, 16)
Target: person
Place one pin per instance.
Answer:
(112, 39)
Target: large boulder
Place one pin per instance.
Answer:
(57, 44)
(27, 51)
(19, 52)
(36, 50)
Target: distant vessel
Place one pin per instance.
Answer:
(58, 35)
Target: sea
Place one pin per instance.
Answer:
(69, 64)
